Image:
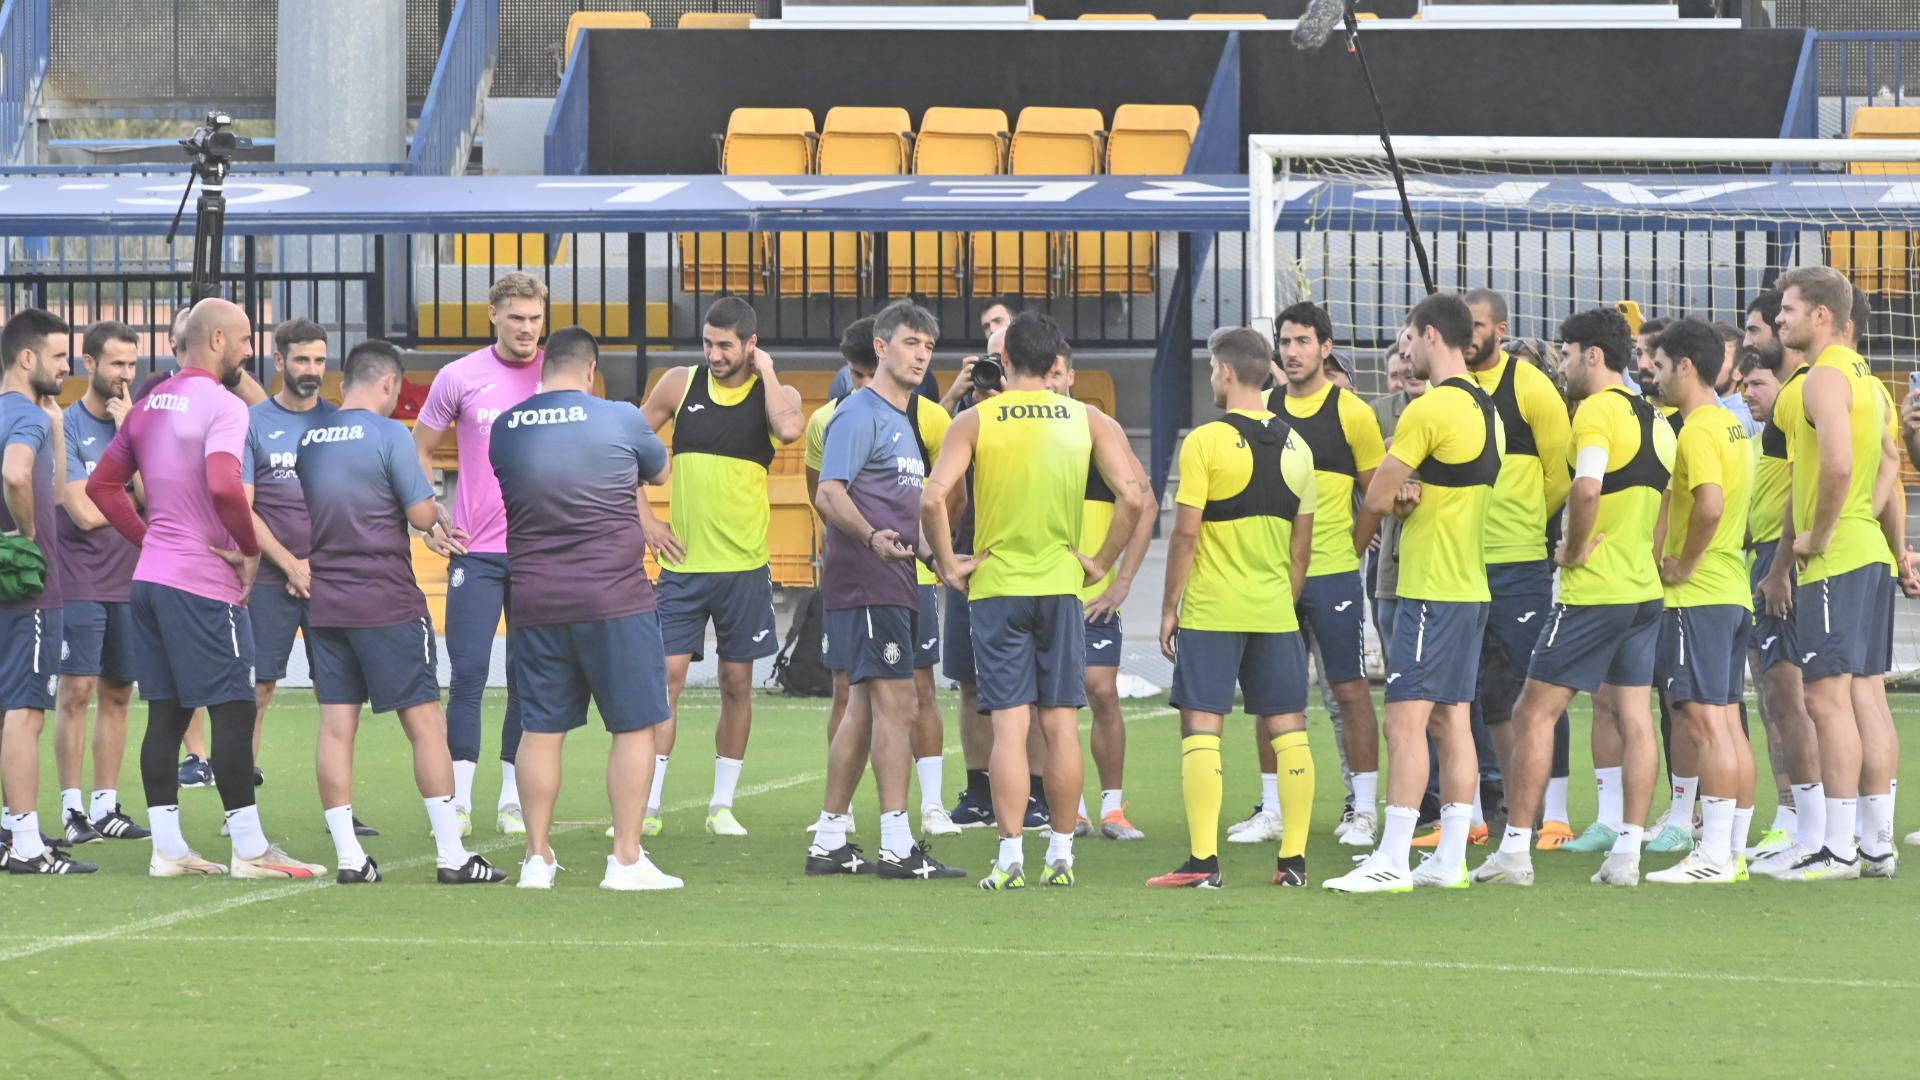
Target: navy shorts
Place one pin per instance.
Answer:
(871, 642)
(1030, 650)
(98, 640)
(926, 629)
(1332, 610)
(738, 603)
(276, 614)
(1590, 644)
(620, 664)
(1103, 642)
(392, 667)
(1703, 654)
(30, 641)
(1880, 656)
(956, 660)
(1773, 639)
(192, 649)
(1270, 668)
(1436, 651)
(1835, 618)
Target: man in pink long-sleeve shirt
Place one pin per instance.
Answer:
(198, 557)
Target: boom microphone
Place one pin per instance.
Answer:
(1317, 24)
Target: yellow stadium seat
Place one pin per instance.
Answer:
(1095, 388)
(1146, 140)
(1219, 16)
(759, 142)
(1046, 142)
(715, 20)
(1117, 18)
(451, 319)
(507, 249)
(853, 142)
(952, 142)
(1880, 261)
(582, 21)
(73, 388)
(792, 529)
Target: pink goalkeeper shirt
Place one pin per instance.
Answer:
(468, 395)
(169, 435)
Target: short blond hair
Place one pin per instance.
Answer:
(1821, 286)
(516, 285)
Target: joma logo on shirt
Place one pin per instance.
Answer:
(1034, 412)
(169, 402)
(340, 433)
(572, 414)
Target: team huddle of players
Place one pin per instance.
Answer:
(189, 538)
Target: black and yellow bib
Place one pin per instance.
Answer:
(722, 449)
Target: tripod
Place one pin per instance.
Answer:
(211, 147)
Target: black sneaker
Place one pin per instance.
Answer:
(917, 863)
(972, 811)
(1192, 874)
(49, 862)
(81, 831)
(1291, 871)
(475, 871)
(6, 839)
(366, 875)
(1037, 814)
(846, 859)
(361, 828)
(259, 776)
(118, 826)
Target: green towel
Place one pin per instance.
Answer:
(23, 570)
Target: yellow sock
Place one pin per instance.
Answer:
(1296, 791)
(1201, 786)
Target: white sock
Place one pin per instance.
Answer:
(346, 846)
(1060, 847)
(1083, 806)
(932, 791)
(1742, 828)
(26, 835)
(70, 801)
(509, 787)
(1556, 809)
(243, 827)
(1010, 853)
(1396, 836)
(1456, 819)
(463, 784)
(1516, 841)
(1680, 814)
(441, 815)
(1877, 838)
(1111, 801)
(896, 837)
(165, 823)
(1716, 828)
(104, 800)
(1785, 819)
(1810, 802)
(1475, 812)
(1628, 842)
(830, 832)
(1366, 793)
(660, 782)
(1840, 828)
(726, 777)
(1606, 784)
(1270, 792)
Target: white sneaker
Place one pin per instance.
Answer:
(1825, 866)
(1504, 868)
(1375, 874)
(1913, 838)
(1346, 822)
(537, 873)
(1362, 831)
(274, 863)
(815, 824)
(1779, 862)
(1238, 826)
(1884, 866)
(1622, 870)
(1431, 875)
(639, 876)
(1696, 869)
(509, 820)
(190, 866)
(935, 821)
(1261, 828)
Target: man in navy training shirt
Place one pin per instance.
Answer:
(581, 618)
(371, 638)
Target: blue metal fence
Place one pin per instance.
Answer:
(566, 144)
(1842, 71)
(23, 71)
(460, 83)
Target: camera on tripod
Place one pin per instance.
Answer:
(212, 145)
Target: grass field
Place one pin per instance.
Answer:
(756, 970)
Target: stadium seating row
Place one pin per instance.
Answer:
(1880, 261)
(1045, 141)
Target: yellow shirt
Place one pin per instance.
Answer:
(1857, 539)
(1712, 449)
(1344, 444)
(1242, 577)
(718, 503)
(1622, 568)
(1443, 543)
(1030, 487)
(1532, 486)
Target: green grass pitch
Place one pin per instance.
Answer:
(756, 970)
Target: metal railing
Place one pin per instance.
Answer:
(1848, 70)
(567, 129)
(461, 79)
(23, 72)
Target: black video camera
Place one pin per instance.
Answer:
(213, 143)
(988, 376)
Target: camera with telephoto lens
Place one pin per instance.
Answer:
(988, 376)
(213, 141)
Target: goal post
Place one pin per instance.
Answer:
(1675, 226)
